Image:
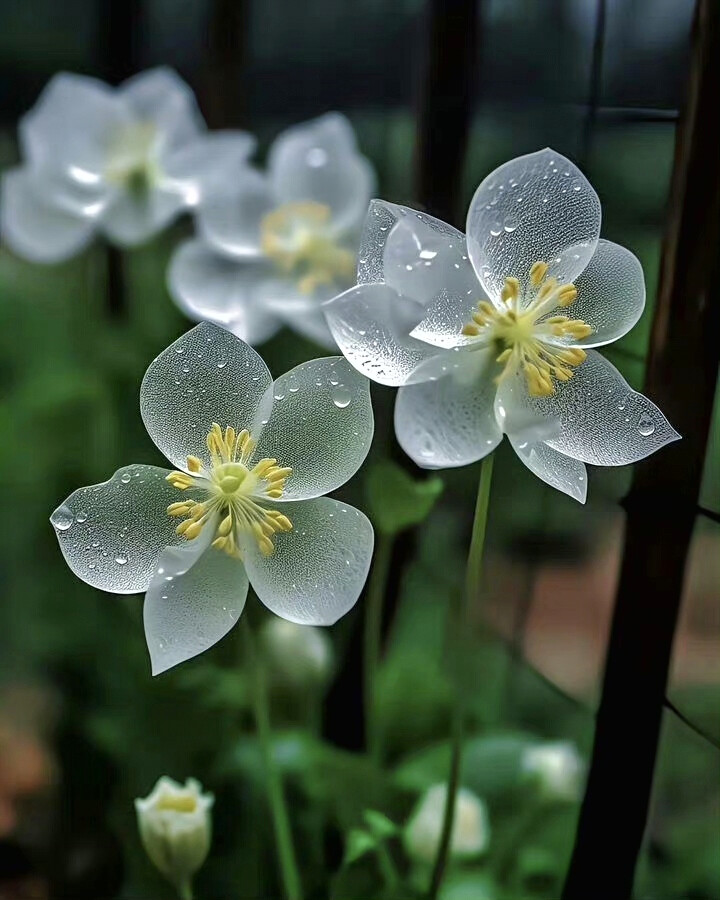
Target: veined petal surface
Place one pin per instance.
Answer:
(318, 569)
(111, 534)
(208, 375)
(554, 468)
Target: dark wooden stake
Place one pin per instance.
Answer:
(446, 106)
(661, 509)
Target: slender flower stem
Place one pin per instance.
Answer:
(276, 796)
(457, 620)
(372, 639)
(185, 891)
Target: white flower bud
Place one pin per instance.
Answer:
(175, 827)
(470, 833)
(297, 655)
(557, 768)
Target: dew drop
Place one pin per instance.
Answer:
(179, 349)
(510, 224)
(646, 426)
(495, 229)
(81, 517)
(221, 363)
(62, 518)
(279, 396)
(121, 559)
(341, 397)
(125, 477)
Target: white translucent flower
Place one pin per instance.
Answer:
(123, 162)
(492, 333)
(558, 769)
(254, 459)
(471, 829)
(272, 246)
(298, 655)
(176, 828)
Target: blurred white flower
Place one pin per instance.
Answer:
(298, 655)
(272, 246)
(471, 828)
(123, 162)
(477, 331)
(557, 768)
(249, 494)
(175, 826)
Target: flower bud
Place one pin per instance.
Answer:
(297, 655)
(175, 827)
(470, 833)
(557, 768)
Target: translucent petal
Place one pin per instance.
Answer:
(34, 229)
(416, 254)
(318, 569)
(205, 165)
(321, 425)
(211, 287)
(601, 420)
(111, 534)
(450, 421)
(536, 207)
(196, 596)
(559, 471)
(611, 294)
(445, 317)
(371, 325)
(132, 218)
(230, 220)
(69, 125)
(318, 161)
(159, 95)
(208, 375)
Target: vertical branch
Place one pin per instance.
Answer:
(661, 508)
(223, 99)
(446, 104)
(595, 85)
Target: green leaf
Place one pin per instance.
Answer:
(358, 844)
(379, 824)
(397, 501)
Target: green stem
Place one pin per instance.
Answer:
(387, 866)
(276, 797)
(185, 891)
(457, 620)
(372, 641)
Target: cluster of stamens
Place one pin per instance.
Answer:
(297, 239)
(520, 330)
(234, 493)
(130, 160)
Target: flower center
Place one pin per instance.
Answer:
(235, 493)
(297, 238)
(130, 160)
(182, 803)
(521, 331)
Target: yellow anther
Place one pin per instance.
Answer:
(471, 329)
(194, 530)
(538, 271)
(220, 543)
(194, 464)
(549, 287)
(511, 290)
(180, 480)
(225, 527)
(567, 294)
(505, 355)
(275, 494)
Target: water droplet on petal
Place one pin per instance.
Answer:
(125, 477)
(341, 397)
(81, 517)
(646, 426)
(62, 518)
(121, 559)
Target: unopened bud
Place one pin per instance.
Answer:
(470, 832)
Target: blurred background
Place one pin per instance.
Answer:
(83, 727)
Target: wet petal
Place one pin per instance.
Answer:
(599, 418)
(611, 294)
(559, 471)
(159, 95)
(34, 229)
(132, 218)
(111, 534)
(203, 166)
(230, 220)
(450, 420)
(371, 325)
(536, 207)
(196, 596)
(417, 255)
(321, 425)
(208, 375)
(318, 161)
(211, 287)
(318, 569)
(67, 129)
(445, 317)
